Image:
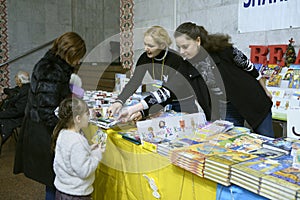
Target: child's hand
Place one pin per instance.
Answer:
(94, 146)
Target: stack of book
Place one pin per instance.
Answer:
(165, 148)
(249, 174)
(192, 158)
(283, 182)
(189, 160)
(218, 167)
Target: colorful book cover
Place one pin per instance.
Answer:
(242, 143)
(288, 176)
(295, 153)
(274, 80)
(218, 126)
(229, 158)
(267, 153)
(100, 138)
(262, 166)
(131, 135)
(279, 144)
(157, 129)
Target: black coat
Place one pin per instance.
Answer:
(49, 86)
(13, 108)
(183, 81)
(242, 89)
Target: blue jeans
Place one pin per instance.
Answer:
(230, 113)
(266, 127)
(50, 193)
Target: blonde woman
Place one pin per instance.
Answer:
(181, 85)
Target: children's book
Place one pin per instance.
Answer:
(164, 148)
(295, 153)
(251, 186)
(276, 192)
(261, 166)
(157, 129)
(100, 138)
(131, 135)
(242, 143)
(266, 153)
(103, 122)
(274, 80)
(279, 144)
(229, 158)
(218, 126)
(285, 180)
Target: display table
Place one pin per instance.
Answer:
(121, 176)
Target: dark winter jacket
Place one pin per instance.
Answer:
(242, 88)
(49, 86)
(177, 75)
(15, 104)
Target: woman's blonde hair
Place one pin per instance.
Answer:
(69, 47)
(159, 35)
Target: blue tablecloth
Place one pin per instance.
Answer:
(234, 192)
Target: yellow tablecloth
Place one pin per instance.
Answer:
(121, 174)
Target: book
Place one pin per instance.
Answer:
(164, 148)
(228, 159)
(242, 143)
(253, 187)
(157, 129)
(103, 122)
(274, 80)
(295, 153)
(262, 166)
(100, 138)
(131, 135)
(279, 144)
(218, 126)
(288, 176)
(267, 153)
(274, 192)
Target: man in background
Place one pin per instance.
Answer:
(13, 106)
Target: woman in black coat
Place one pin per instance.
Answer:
(180, 84)
(49, 86)
(235, 85)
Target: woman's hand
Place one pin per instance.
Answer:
(114, 108)
(130, 113)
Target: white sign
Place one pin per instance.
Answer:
(293, 124)
(264, 15)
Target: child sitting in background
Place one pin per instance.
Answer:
(75, 160)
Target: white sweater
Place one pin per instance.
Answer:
(75, 164)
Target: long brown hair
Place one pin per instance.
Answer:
(68, 109)
(210, 42)
(69, 47)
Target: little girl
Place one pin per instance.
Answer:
(75, 160)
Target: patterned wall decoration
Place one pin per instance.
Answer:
(126, 33)
(4, 73)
